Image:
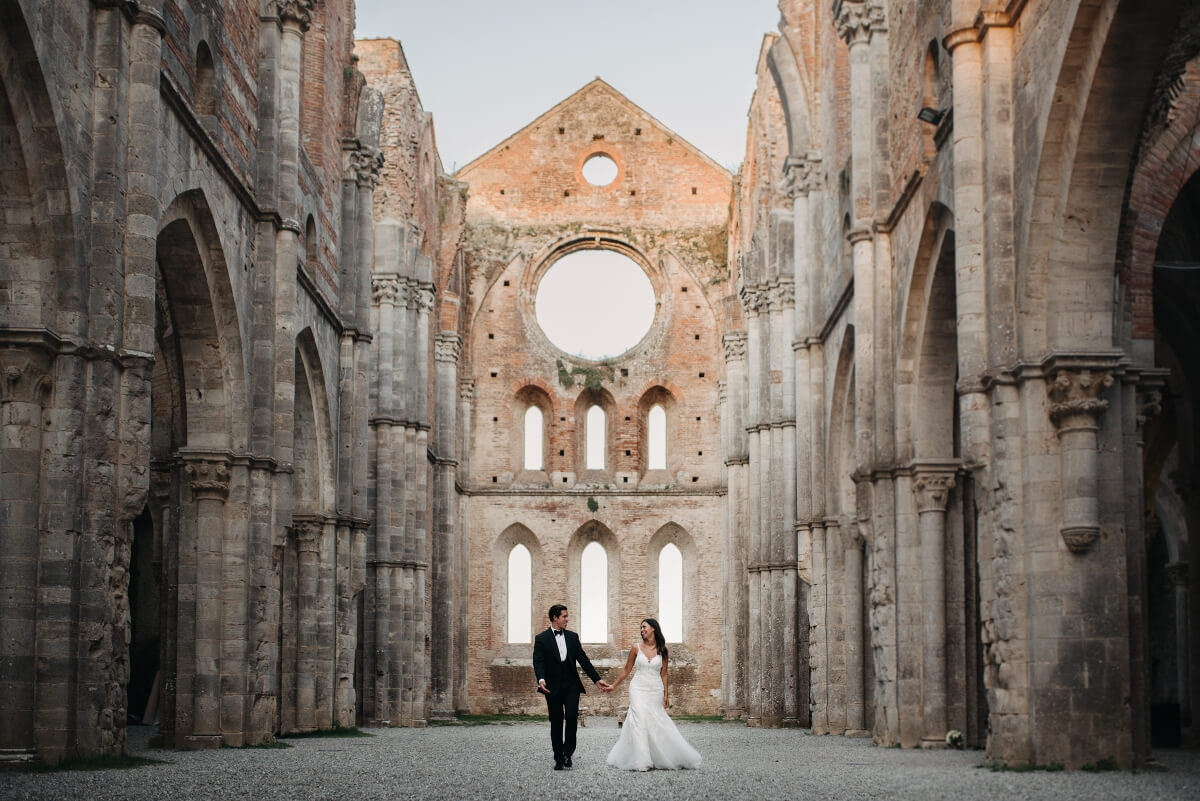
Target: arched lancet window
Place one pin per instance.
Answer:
(656, 454)
(670, 592)
(533, 438)
(520, 595)
(593, 594)
(595, 438)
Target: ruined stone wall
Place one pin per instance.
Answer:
(190, 376)
(528, 205)
(986, 460)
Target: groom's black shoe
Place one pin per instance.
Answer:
(567, 762)
(558, 765)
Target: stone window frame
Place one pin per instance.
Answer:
(515, 534)
(583, 403)
(531, 394)
(658, 395)
(673, 533)
(589, 532)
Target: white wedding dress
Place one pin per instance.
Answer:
(649, 738)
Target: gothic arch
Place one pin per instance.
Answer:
(516, 534)
(532, 393)
(589, 532)
(1064, 295)
(932, 270)
(604, 399)
(205, 322)
(840, 452)
(658, 395)
(312, 445)
(793, 94)
(674, 534)
(54, 248)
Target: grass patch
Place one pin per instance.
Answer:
(106, 762)
(1106, 764)
(272, 744)
(488, 720)
(706, 719)
(336, 731)
(1028, 767)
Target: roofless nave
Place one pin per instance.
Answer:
(909, 443)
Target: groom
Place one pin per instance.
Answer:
(555, 653)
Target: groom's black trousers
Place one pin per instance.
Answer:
(564, 720)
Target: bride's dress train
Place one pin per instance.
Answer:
(649, 738)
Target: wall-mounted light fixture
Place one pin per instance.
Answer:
(930, 115)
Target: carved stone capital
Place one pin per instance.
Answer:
(1075, 397)
(753, 299)
(801, 175)
(735, 346)
(386, 290)
(856, 536)
(1177, 572)
(447, 347)
(307, 532)
(876, 16)
(851, 20)
(932, 488)
(26, 380)
(782, 295)
(424, 297)
(209, 479)
(299, 12)
(466, 390)
(365, 164)
(1079, 538)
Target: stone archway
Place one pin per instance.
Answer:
(1171, 463)
(197, 500)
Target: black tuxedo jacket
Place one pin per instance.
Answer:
(559, 674)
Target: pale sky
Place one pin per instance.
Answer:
(487, 68)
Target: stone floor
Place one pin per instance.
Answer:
(513, 761)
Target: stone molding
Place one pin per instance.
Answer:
(447, 347)
(735, 346)
(851, 19)
(1075, 397)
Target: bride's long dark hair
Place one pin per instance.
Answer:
(660, 642)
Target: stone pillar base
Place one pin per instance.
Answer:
(933, 743)
(856, 733)
(819, 731)
(792, 723)
(753, 722)
(12, 759)
(199, 742)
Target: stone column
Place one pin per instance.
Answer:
(1177, 572)
(444, 573)
(24, 389)
(1075, 409)
(200, 577)
(932, 485)
(735, 635)
(307, 532)
(853, 596)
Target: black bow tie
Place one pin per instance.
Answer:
(558, 632)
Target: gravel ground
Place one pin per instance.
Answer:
(513, 761)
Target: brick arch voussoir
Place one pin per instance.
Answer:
(1159, 176)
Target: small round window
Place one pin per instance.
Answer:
(595, 303)
(599, 170)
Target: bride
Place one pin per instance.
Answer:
(649, 739)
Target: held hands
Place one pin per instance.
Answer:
(604, 686)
